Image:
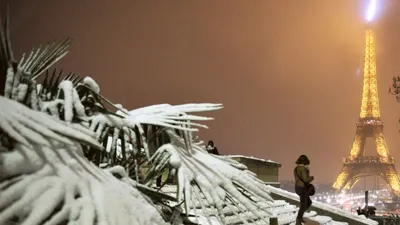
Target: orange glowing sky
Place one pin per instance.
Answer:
(286, 70)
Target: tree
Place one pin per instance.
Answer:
(395, 88)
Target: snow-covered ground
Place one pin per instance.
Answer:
(323, 206)
(285, 212)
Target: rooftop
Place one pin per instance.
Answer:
(253, 158)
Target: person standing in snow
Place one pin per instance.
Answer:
(211, 148)
(303, 185)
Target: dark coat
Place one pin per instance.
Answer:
(302, 176)
(214, 151)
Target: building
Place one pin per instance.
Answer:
(266, 170)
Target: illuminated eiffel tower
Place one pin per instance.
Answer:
(357, 165)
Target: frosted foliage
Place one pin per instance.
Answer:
(45, 179)
(31, 128)
(50, 131)
(285, 212)
(15, 88)
(18, 87)
(46, 171)
(160, 115)
(100, 122)
(92, 84)
(202, 173)
(172, 116)
(71, 101)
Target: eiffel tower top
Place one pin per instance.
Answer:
(370, 98)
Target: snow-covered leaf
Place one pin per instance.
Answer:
(29, 127)
(209, 179)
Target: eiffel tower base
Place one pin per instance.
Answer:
(357, 165)
(364, 166)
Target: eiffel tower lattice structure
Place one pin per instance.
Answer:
(357, 165)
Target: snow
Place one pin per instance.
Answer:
(22, 90)
(30, 127)
(71, 101)
(218, 184)
(9, 82)
(118, 146)
(202, 220)
(323, 206)
(270, 182)
(57, 173)
(285, 212)
(225, 192)
(253, 158)
(168, 153)
(39, 87)
(92, 84)
(16, 83)
(45, 169)
(175, 117)
(222, 194)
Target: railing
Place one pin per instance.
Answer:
(369, 160)
(370, 121)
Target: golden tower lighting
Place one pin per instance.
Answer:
(357, 165)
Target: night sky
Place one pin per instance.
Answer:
(286, 71)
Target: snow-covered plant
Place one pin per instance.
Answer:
(46, 180)
(68, 155)
(207, 178)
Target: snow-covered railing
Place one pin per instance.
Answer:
(253, 158)
(275, 184)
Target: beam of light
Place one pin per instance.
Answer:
(371, 10)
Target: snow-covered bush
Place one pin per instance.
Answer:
(68, 155)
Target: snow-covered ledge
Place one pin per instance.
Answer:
(321, 208)
(254, 158)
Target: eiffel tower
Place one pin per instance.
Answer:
(357, 165)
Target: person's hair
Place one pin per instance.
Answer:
(303, 159)
(211, 143)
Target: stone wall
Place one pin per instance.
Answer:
(266, 171)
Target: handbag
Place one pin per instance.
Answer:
(309, 186)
